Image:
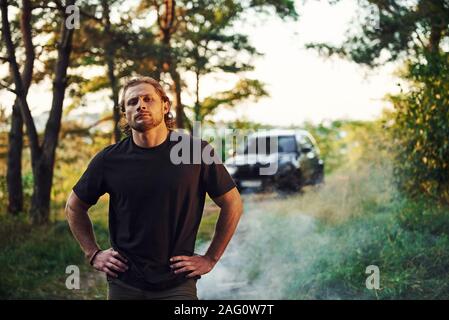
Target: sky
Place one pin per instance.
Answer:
(303, 86)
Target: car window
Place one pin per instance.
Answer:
(287, 144)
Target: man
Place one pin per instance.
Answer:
(155, 205)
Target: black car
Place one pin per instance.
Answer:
(283, 159)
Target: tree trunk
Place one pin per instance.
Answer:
(44, 167)
(40, 202)
(116, 108)
(109, 57)
(435, 38)
(14, 170)
(197, 94)
(177, 93)
(166, 23)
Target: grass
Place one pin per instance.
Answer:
(34, 259)
(207, 226)
(34, 262)
(318, 245)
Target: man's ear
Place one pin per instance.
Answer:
(166, 106)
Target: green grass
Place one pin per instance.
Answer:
(34, 261)
(207, 228)
(413, 264)
(305, 248)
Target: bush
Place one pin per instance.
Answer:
(421, 129)
(426, 216)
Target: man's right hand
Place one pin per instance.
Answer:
(110, 261)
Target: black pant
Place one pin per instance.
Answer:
(118, 290)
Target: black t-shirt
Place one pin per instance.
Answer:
(155, 206)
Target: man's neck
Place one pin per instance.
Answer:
(152, 137)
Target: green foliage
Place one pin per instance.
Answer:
(34, 260)
(27, 185)
(413, 264)
(421, 129)
(283, 8)
(245, 89)
(207, 228)
(425, 216)
(421, 119)
(346, 142)
(208, 41)
(389, 30)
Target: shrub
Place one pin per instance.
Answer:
(421, 129)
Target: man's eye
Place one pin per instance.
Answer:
(147, 99)
(132, 102)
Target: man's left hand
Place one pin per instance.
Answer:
(197, 265)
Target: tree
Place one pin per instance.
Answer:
(170, 14)
(15, 145)
(42, 153)
(421, 130)
(414, 32)
(120, 48)
(245, 89)
(194, 36)
(393, 29)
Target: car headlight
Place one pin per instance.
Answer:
(231, 169)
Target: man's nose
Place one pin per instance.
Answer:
(141, 104)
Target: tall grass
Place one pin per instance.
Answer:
(318, 245)
(33, 259)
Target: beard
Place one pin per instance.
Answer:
(145, 123)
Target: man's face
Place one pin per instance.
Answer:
(144, 108)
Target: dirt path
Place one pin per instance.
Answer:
(227, 280)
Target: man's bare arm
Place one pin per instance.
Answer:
(80, 224)
(107, 261)
(230, 213)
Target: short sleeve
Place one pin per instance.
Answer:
(90, 187)
(216, 178)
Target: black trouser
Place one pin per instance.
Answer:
(118, 290)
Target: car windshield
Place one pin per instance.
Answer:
(268, 145)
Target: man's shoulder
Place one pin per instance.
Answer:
(118, 147)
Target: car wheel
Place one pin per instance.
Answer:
(318, 177)
(288, 179)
